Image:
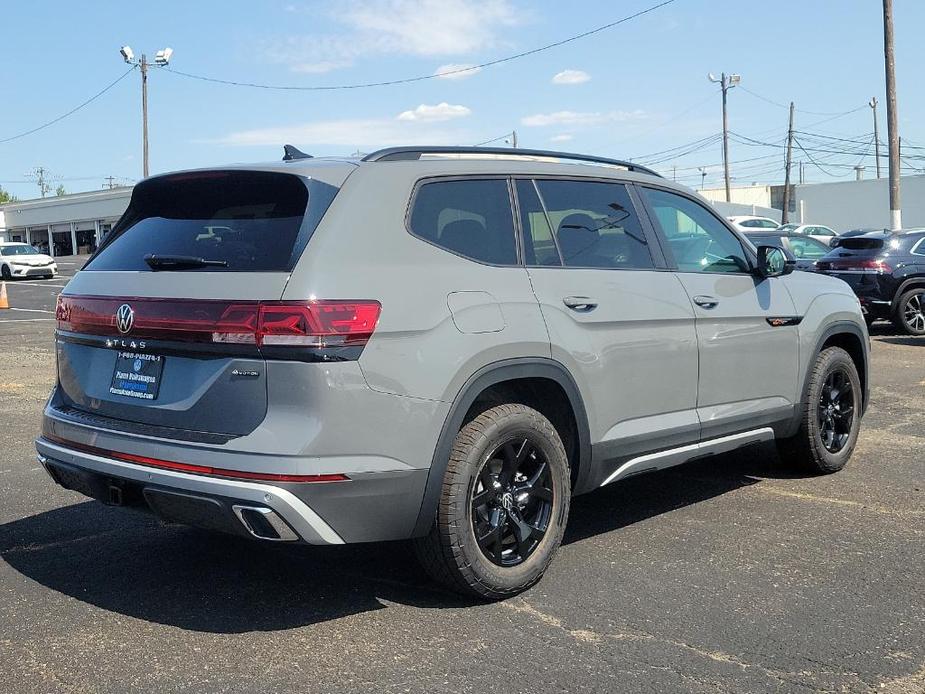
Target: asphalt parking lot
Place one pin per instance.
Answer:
(728, 575)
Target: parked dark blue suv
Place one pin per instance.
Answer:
(887, 272)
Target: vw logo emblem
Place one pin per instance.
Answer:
(125, 318)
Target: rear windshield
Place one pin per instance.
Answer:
(243, 221)
(859, 243)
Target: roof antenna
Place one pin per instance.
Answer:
(290, 153)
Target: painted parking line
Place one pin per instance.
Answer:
(39, 284)
(33, 310)
(25, 320)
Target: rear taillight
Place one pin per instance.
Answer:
(317, 323)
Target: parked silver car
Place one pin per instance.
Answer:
(441, 344)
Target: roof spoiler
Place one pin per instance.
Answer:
(290, 153)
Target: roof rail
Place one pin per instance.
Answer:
(414, 153)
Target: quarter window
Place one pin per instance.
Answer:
(698, 241)
(472, 218)
(595, 224)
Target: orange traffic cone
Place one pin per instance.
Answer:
(4, 301)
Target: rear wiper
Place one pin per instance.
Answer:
(180, 262)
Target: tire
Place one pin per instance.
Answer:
(5, 273)
(521, 525)
(910, 312)
(828, 428)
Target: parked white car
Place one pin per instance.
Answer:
(816, 231)
(748, 223)
(23, 260)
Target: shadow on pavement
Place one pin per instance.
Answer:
(127, 562)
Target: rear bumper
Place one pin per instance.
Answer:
(370, 507)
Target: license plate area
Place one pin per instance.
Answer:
(137, 375)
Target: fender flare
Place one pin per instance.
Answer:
(830, 330)
(487, 376)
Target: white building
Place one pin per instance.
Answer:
(65, 224)
(863, 204)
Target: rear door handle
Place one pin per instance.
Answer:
(581, 304)
(706, 301)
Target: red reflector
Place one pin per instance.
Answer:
(319, 323)
(196, 469)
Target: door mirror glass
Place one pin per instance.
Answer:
(774, 262)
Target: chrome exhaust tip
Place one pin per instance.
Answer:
(264, 524)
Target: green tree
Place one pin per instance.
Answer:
(59, 191)
(6, 197)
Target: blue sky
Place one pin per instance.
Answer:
(629, 92)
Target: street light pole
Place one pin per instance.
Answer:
(161, 58)
(892, 125)
(726, 82)
(143, 64)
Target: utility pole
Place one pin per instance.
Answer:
(726, 82)
(110, 182)
(703, 176)
(785, 213)
(39, 173)
(873, 105)
(892, 125)
(802, 178)
(514, 139)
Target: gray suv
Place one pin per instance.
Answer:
(436, 344)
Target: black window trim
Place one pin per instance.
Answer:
(750, 256)
(659, 260)
(419, 183)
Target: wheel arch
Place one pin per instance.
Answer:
(917, 282)
(490, 380)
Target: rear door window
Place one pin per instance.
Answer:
(595, 224)
(469, 217)
(246, 221)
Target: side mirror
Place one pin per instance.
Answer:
(774, 262)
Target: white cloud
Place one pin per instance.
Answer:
(571, 77)
(410, 27)
(564, 137)
(581, 118)
(456, 71)
(354, 132)
(432, 114)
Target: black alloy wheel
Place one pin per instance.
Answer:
(511, 502)
(836, 410)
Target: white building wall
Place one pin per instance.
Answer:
(860, 204)
(760, 196)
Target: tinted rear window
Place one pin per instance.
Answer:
(253, 221)
(859, 243)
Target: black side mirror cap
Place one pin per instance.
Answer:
(774, 262)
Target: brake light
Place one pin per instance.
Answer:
(316, 323)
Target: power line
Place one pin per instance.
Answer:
(798, 110)
(72, 111)
(421, 78)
